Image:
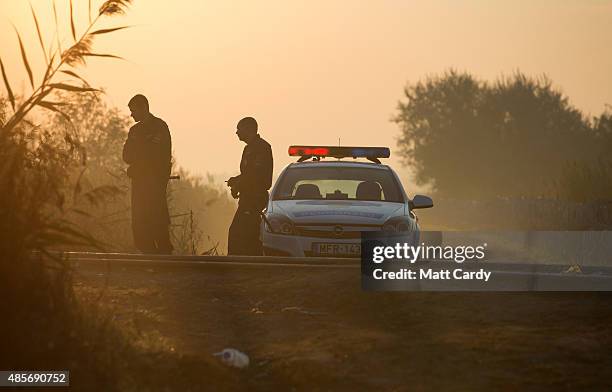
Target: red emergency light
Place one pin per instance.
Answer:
(371, 153)
(300, 151)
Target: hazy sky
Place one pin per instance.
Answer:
(313, 71)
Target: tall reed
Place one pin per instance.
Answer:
(38, 305)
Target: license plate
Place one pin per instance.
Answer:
(331, 249)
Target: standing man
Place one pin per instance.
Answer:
(251, 188)
(148, 152)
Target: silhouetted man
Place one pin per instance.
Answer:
(148, 152)
(251, 188)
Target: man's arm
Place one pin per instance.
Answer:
(129, 148)
(160, 148)
(268, 168)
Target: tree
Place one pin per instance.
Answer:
(590, 179)
(99, 131)
(472, 139)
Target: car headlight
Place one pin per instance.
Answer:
(279, 224)
(397, 224)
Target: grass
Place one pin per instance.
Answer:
(46, 324)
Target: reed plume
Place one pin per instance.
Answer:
(59, 62)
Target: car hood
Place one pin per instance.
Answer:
(337, 211)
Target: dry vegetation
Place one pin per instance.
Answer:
(52, 189)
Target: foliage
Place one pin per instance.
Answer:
(101, 131)
(35, 162)
(586, 181)
(50, 174)
(203, 212)
(472, 139)
(35, 167)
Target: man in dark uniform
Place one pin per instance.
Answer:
(251, 188)
(148, 152)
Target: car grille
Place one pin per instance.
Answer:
(332, 232)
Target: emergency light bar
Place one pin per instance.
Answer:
(371, 153)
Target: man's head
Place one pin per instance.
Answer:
(139, 106)
(246, 129)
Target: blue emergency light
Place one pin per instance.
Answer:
(371, 153)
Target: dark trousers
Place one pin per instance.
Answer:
(244, 232)
(150, 217)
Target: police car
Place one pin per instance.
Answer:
(320, 207)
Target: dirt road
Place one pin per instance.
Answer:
(314, 329)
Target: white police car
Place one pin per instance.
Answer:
(320, 208)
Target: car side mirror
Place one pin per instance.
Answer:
(420, 201)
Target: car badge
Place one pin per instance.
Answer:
(338, 231)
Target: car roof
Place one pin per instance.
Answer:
(339, 163)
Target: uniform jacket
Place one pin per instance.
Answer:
(148, 150)
(255, 169)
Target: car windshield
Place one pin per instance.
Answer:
(338, 183)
